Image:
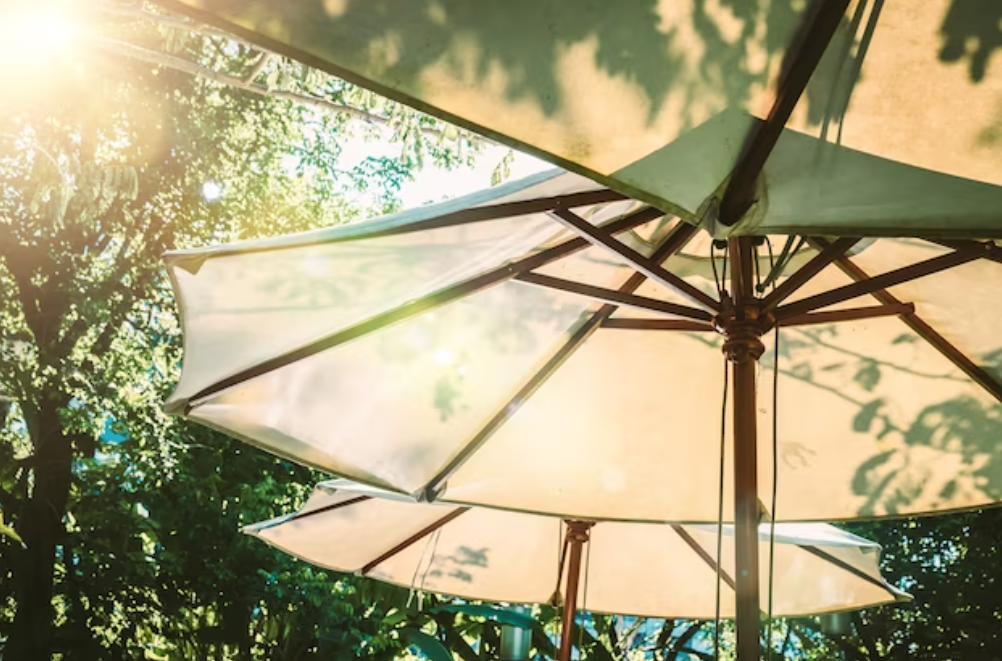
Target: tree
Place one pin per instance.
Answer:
(104, 166)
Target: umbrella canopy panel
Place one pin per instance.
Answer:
(641, 569)
(658, 100)
(500, 359)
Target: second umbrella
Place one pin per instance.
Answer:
(650, 569)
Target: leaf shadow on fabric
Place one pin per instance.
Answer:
(907, 465)
(722, 49)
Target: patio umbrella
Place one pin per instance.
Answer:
(835, 118)
(551, 346)
(646, 569)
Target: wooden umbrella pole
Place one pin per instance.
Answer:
(577, 536)
(742, 326)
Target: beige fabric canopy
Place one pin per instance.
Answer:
(897, 132)
(442, 354)
(658, 570)
(841, 118)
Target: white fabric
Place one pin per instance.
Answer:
(873, 421)
(640, 569)
(250, 301)
(897, 133)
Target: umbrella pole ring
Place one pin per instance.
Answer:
(577, 536)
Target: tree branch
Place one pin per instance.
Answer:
(677, 646)
(177, 22)
(262, 61)
(195, 69)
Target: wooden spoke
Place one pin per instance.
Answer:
(646, 265)
(883, 281)
(674, 242)
(407, 543)
(658, 325)
(803, 59)
(701, 552)
(849, 314)
(614, 297)
(960, 244)
(918, 326)
(806, 272)
(425, 304)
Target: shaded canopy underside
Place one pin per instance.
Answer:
(508, 362)
(655, 570)
(896, 134)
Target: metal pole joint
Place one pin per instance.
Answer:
(743, 329)
(579, 531)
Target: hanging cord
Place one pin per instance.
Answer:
(557, 598)
(776, 268)
(716, 276)
(720, 510)
(584, 591)
(775, 467)
(775, 480)
(431, 558)
(433, 544)
(721, 283)
(719, 279)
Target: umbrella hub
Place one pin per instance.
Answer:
(742, 327)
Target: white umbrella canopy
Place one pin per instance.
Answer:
(435, 354)
(842, 117)
(550, 346)
(646, 569)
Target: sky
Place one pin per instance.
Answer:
(434, 185)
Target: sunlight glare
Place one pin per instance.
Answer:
(29, 34)
(212, 191)
(443, 357)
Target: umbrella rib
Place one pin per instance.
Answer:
(849, 314)
(706, 557)
(302, 515)
(423, 304)
(819, 29)
(977, 373)
(841, 564)
(615, 297)
(806, 272)
(407, 543)
(646, 265)
(674, 242)
(961, 244)
(461, 217)
(657, 324)
(884, 280)
(329, 508)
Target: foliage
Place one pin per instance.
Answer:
(130, 520)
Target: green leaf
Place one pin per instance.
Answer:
(429, 646)
(596, 650)
(395, 617)
(496, 613)
(9, 531)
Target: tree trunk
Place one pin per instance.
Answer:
(40, 524)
